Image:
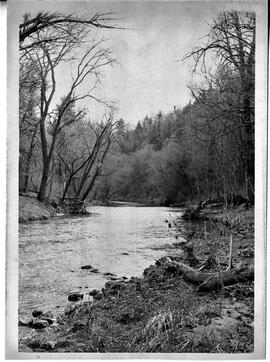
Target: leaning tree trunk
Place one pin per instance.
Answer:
(90, 186)
(66, 187)
(96, 174)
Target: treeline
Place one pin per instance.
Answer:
(206, 148)
(203, 149)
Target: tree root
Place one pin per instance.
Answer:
(210, 281)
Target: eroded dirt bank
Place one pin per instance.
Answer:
(31, 209)
(162, 312)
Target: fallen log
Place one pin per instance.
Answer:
(210, 281)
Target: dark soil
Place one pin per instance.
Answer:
(161, 312)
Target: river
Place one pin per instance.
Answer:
(122, 240)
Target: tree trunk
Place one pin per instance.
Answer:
(97, 172)
(51, 181)
(210, 281)
(29, 158)
(44, 181)
(86, 173)
(26, 176)
(66, 187)
(84, 197)
(249, 149)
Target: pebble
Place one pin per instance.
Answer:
(37, 313)
(25, 321)
(40, 324)
(93, 292)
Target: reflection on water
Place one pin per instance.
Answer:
(52, 252)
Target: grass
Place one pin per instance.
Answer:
(161, 312)
(31, 209)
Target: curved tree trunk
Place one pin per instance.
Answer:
(210, 281)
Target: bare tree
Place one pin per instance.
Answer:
(88, 68)
(53, 28)
(232, 39)
(85, 165)
(28, 121)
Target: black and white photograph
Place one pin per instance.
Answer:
(136, 179)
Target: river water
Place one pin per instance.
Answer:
(122, 240)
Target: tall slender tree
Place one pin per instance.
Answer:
(232, 40)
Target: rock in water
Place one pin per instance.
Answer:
(74, 297)
(40, 324)
(109, 275)
(89, 267)
(37, 313)
(25, 321)
(113, 278)
(93, 292)
(48, 316)
(86, 267)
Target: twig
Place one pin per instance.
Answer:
(230, 255)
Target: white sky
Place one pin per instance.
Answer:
(150, 76)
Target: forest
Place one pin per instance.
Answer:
(203, 149)
(91, 163)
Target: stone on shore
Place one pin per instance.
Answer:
(25, 321)
(93, 292)
(75, 297)
(37, 313)
(98, 296)
(109, 275)
(48, 316)
(40, 324)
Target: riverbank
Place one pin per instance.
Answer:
(31, 209)
(163, 312)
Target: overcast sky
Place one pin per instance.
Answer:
(150, 76)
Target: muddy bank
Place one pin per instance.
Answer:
(162, 312)
(31, 209)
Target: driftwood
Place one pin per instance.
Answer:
(210, 281)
